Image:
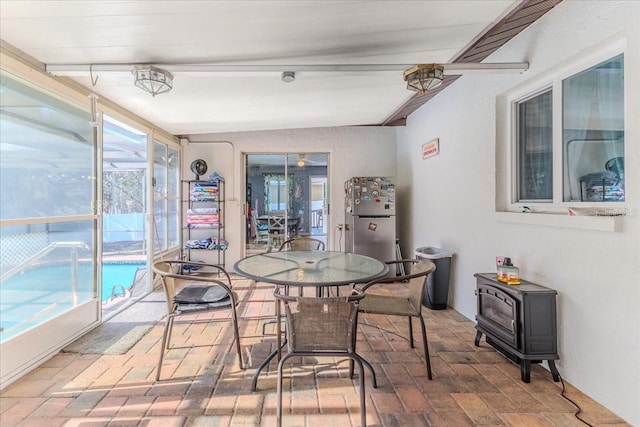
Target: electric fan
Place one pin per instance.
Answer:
(199, 167)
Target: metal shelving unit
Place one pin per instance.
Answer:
(203, 233)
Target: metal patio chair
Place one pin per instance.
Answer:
(409, 306)
(296, 244)
(302, 244)
(321, 327)
(194, 287)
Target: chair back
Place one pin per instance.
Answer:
(321, 324)
(303, 244)
(419, 273)
(276, 223)
(164, 269)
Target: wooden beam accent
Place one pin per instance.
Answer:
(525, 14)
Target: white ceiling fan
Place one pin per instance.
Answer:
(302, 160)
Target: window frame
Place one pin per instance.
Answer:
(516, 146)
(507, 199)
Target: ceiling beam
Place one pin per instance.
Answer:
(74, 70)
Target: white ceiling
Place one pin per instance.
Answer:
(250, 32)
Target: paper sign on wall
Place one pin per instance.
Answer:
(431, 148)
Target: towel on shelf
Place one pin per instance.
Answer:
(216, 177)
(204, 192)
(211, 243)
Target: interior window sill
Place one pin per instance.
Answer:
(596, 223)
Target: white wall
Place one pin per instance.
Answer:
(451, 201)
(353, 151)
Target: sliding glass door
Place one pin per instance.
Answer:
(129, 225)
(47, 223)
(124, 213)
(286, 196)
(86, 202)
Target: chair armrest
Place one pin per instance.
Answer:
(203, 275)
(202, 279)
(396, 279)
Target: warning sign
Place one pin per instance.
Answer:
(431, 148)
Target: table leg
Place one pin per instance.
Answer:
(279, 344)
(278, 327)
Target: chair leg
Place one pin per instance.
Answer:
(279, 389)
(353, 357)
(236, 334)
(363, 402)
(374, 380)
(165, 342)
(426, 348)
(410, 333)
(170, 329)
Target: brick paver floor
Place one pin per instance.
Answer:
(202, 385)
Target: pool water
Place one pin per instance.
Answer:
(38, 294)
(117, 275)
(57, 278)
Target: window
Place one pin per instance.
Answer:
(535, 148)
(276, 192)
(166, 197)
(593, 133)
(584, 160)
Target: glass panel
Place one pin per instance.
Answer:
(311, 268)
(286, 197)
(593, 133)
(124, 249)
(46, 155)
(535, 168)
(47, 269)
(166, 197)
(160, 196)
(47, 170)
(497, 310)
(173, 198)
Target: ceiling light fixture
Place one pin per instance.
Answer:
(152, 79)
(300, 162)
(288, 76)
(424, 77)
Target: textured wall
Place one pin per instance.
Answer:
(352, 151)
(452, 198)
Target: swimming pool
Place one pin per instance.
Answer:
(35, 295)
(56, 278)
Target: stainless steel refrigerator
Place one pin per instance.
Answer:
(370, 217)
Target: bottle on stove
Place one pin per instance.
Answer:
(508, 273)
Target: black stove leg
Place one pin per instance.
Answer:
(478, 336)
(525, 370)
(554, 370)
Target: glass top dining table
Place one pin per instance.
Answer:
(318, 269)
(311, 268)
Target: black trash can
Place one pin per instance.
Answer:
(436, 295)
